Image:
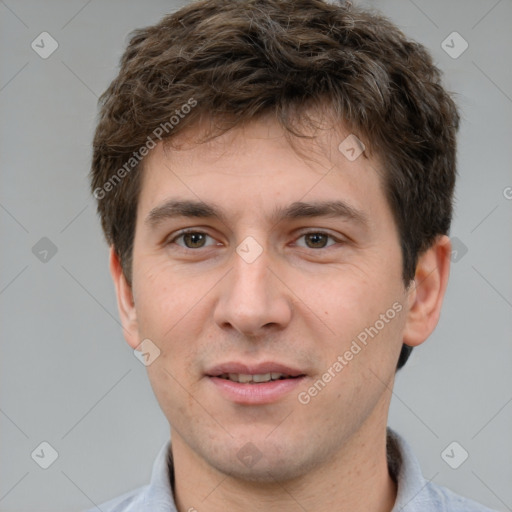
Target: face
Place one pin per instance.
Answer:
(263, 286)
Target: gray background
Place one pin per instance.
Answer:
(67, 375)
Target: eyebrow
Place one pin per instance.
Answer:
(173, 208)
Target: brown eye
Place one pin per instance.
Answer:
(194, 240)
(316, 240)
(191, 240)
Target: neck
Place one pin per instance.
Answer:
(355, 479)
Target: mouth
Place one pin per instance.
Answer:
(254, 384)
(247, 378)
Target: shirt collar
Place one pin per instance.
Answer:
(158, 496)
(412, 488)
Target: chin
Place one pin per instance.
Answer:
(271, 464)
(263, 472)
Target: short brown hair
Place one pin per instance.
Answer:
(236, 60)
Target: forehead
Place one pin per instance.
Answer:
(257, 169)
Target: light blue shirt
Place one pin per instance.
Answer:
(414, 493)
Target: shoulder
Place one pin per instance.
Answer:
(127, 502)
(442, 498)
(414, 492)
(156, 496)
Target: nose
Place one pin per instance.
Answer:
(253, 299)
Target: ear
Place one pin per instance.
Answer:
(427, 292)
(125, 303)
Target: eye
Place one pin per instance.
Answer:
(191, 239)
(317, 239)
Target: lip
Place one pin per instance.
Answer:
(253, 369)
(255, 394)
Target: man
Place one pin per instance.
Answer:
(275, 181)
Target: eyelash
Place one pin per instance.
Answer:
(197, 232)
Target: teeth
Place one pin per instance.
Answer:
(246, 378)
(261, 378)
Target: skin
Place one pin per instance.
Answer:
(299, 303)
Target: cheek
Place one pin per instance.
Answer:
(172, 311)
(163, 300)
(347, 302)
(366, 318)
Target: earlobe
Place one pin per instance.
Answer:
(125, 302)
(427, 293)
